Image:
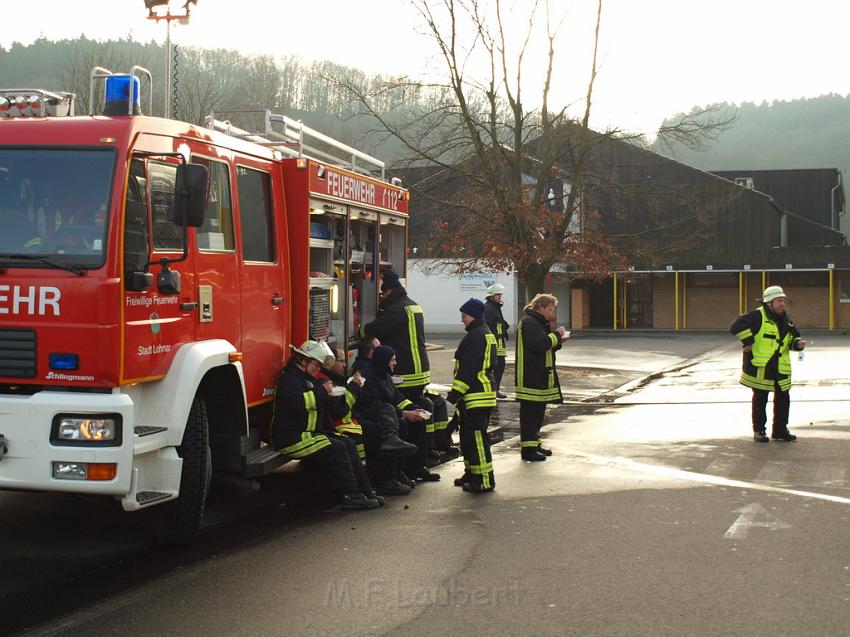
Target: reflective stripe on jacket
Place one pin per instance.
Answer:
(302, 409)
(769, 362)
(536, 344)
(400, 324)
(474, 361)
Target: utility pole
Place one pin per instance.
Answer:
(183, 18)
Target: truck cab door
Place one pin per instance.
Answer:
(156, 321)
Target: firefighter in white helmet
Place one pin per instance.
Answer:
(499, 327)
(767, 335)
(301, 426)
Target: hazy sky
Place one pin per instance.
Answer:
(657, 57)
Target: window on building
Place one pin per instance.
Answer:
(844, 287)
(255, 218)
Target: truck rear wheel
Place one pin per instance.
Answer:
(187, 512)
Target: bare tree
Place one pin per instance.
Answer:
(507, 178)
(74, 72)
(695, 129)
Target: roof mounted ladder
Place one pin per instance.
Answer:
(295, 139)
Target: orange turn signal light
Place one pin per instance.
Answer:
(235, 357)
(101, 470)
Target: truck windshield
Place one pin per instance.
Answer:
(55, 203)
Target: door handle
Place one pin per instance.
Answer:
(188, 306)
(277, 300)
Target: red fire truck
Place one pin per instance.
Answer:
(152, 276)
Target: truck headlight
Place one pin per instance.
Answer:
(87, 429)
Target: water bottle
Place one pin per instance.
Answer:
(801, 355)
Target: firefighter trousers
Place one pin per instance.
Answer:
(498, 371)
(530, 420)
(339, 460)
(416, 433)
(442, 438)
(381, 467)
(781, 407)
(475, 445)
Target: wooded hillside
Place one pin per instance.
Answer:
(804, 133)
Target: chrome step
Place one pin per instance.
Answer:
(148, 430)
(144, 498)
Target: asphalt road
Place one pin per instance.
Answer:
(657, 515)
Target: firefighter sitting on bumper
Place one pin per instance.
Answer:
(474, 393)
(383, 409)
(301, 427)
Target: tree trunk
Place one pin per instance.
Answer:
(534, 278)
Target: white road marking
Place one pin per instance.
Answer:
(693, 476)
(753, 516)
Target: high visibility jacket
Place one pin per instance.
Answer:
(400, 324)
(302, 412)
(377, 391)
(474, 361)
(771, 337)
(497, 324)
(536, 378)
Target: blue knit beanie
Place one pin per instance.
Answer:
(473, 308)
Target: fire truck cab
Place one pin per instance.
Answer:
(152, 276)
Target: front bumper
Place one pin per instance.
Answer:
(25, 423)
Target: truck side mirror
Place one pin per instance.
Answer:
(190, 195)
(138, 281)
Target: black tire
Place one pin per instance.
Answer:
(187, 512)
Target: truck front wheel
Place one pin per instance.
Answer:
(187, 511)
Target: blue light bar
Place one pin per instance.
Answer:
(64, 361)
(117, 98)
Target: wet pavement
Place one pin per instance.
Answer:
(657, 515)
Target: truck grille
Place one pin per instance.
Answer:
(17, 353)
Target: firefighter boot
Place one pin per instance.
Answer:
(404, 479)
(371, 495)
(532, 454)
(459, 482)
(393, 487)
(358, 501)
(392, 445)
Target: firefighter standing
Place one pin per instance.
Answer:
(768, 335)
(499, 327)
(400, 324)
(474, 393)
(301, 427)
(536, 377)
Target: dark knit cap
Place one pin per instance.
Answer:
(381, 356)
(390, 280)
(473, 308)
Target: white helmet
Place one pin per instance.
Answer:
(317, 350)
(496, 288)
(772, 292)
